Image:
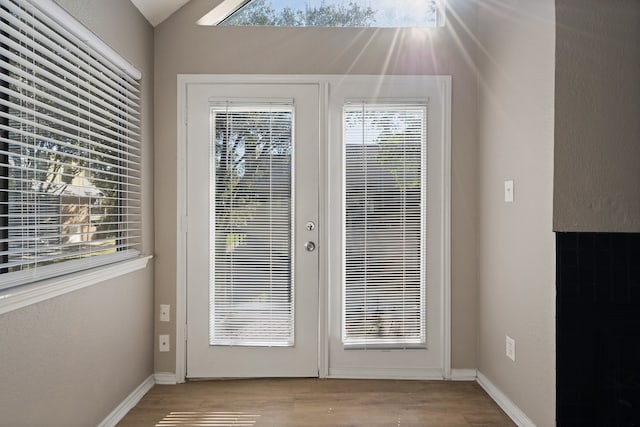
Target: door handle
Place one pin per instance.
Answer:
(310, 246)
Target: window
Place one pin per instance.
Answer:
(327, 13)
(69, 149)
(251, 295)
(384, 225)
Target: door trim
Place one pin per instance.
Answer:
(184, 80)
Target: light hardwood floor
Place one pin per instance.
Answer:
(317, 402)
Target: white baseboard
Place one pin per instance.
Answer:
(386, 373)
(510, 408)
(464, 375)
(127, 404)
(165, 378)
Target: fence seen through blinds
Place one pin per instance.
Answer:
(384, 286)
(251, 283)
(69, 151)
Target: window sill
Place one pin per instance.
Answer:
(17, 298)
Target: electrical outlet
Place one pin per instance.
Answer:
(165, 310)
(163, 343)
(511, 348)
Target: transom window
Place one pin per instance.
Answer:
(327, 13)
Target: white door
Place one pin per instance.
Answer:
(252, 206)
(388, 219)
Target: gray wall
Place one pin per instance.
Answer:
(182, 47)
(597, 132)
(71, 360)
(516, 251)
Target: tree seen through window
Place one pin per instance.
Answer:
(338, 13)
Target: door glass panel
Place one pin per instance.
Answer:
(384, 289)
(251, 283)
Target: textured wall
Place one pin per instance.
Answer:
(516, 280)
(71, 360)
(182, 47)
(597, 131)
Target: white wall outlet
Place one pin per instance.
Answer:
(165, 310)
(163, 343)
(508, 191)
(511, 348)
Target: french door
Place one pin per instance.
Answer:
(252, 208)
(265, 198)
(387, 217)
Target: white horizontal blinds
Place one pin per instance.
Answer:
(251, 284)
(384, 225)
(69, 150)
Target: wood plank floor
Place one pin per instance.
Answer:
(317, 402)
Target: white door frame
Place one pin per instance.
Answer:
(183, 80)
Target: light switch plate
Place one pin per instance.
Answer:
(508, 191)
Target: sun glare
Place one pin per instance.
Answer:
(208, 419)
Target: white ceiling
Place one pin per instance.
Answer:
(157, 11)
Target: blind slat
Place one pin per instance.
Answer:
(108, 124)
(74, 50)
(50, 56)
(32, 138)
(90, 146)
(44, 89)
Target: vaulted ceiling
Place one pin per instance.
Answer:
(157, 11)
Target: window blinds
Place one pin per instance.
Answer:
(69, 149)
(251, 282)
(384, 286)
